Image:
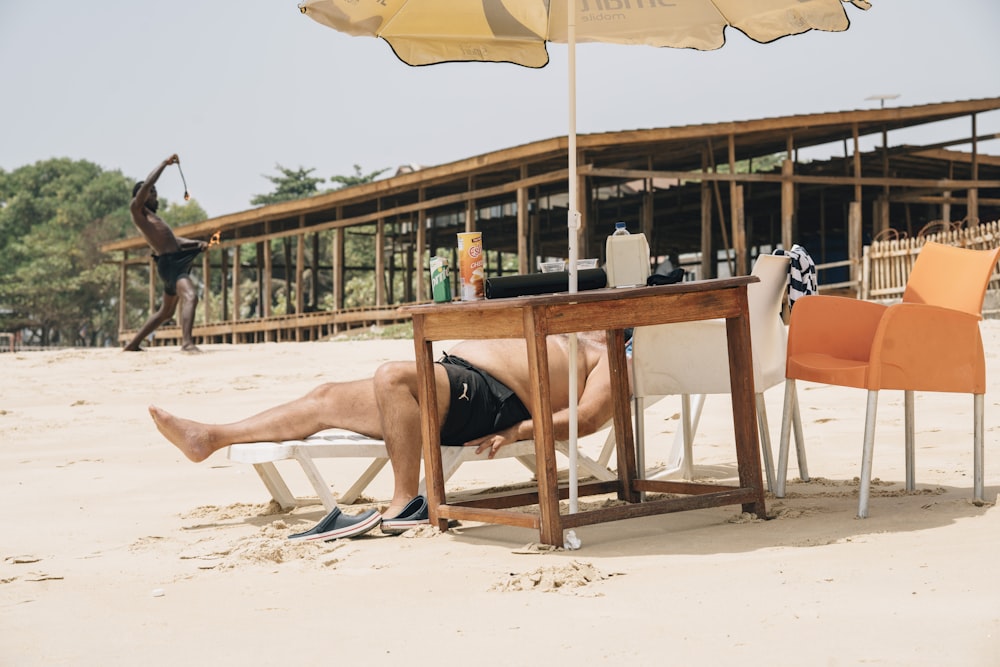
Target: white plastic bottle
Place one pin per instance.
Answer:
(627, 263)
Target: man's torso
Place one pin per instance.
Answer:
(157, 233)
(507, 361)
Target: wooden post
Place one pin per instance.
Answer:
(206, 267)
(522, 226)
(265, 296)
(337, 261)
(286, 249)
(881, 216)
(422, 269)
(972, 208)
(314, 277)
(739, 216)
(857, 163)
(707, 254)
(787, 204)
(300, 260)
(380, 262)
(738, 229)
(236, 286)
(224, 284)
(122, 293)
(854, 239)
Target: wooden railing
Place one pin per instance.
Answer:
(886, 264)
(278, 328)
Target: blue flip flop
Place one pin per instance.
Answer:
(337, 525)
(414, 514)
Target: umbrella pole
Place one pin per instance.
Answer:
(573, 224)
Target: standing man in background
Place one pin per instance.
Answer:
(173, 255)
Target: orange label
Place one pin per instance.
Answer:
(471, 265)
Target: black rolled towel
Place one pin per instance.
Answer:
(543, 283)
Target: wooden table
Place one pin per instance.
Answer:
(613, 310)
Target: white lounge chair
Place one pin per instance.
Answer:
(345, 444)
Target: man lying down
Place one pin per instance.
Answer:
(483, 387)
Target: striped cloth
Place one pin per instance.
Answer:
(801, 274)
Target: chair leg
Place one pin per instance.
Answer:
(638, 410)
(786, 427)
(765, 442)
(867, 454)
(316, 479)
(689, 425)
(977, 448)
(800, 441)
(275, 485)
(373, 469)
(909, 439)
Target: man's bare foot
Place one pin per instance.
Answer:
(191, 347)
(190, 437)
(133, 349)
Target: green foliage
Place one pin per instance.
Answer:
(357, 179)
(181, 214)
(765, 163)
(292, 184)
(54, 216)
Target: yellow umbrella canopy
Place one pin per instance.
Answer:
(426, 32)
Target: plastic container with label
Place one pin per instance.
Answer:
(627, 258)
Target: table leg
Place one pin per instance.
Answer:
(624, 438)
(744, 412)
(430, 428)
(541, 419)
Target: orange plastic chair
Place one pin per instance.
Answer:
(929, 342)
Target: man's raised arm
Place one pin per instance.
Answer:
(142, 194)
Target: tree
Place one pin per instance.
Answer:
(181, 214)
(357, 179)
(54, 216)
(289, 186)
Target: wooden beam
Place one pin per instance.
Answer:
(422, 269)
(237, 297)
(522, 226)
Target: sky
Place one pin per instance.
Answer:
(236, 87)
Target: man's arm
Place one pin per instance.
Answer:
(143, 193)
(594, 409)
(186, 243)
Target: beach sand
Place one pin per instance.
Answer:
(116, 550)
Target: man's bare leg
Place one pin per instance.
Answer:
(347, 405)
(165, 312)
(188, 294)
(396, 393)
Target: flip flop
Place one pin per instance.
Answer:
(414, 514)
(337, 525)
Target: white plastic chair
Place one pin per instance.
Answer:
(689, 358)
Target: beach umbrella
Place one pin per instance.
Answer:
(428, 32)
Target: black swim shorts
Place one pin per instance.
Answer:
(480, 404)
(173, 266)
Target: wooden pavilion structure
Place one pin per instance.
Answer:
(709, 196)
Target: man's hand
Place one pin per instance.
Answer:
(173, 159)
(494, 442)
